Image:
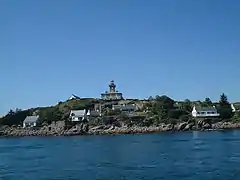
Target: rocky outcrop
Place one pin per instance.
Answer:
(189, 127)
(126, 130)
(181, 126)
(60, 128)
(225, 125)
(207, 126)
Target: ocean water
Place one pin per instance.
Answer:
(186, 155)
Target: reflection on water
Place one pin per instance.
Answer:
(195, 134)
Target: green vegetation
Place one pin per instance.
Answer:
(224, 108)
(154, 111)
(15, 117)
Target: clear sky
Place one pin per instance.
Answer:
(50, 49)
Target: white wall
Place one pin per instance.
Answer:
(205, 114)
(29, 125)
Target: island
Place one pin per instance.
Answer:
(114, 114)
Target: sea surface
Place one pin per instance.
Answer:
(186, 155)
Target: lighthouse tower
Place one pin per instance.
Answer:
(112, 87)
(112, 94)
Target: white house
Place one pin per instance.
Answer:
(30, 121)
(78, 115)
(235, 107)
(205, 112)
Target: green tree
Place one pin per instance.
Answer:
(15, 118)
(225, 109)
(187, 106)
(207, 102)
(175, 113)
(150, 98)
(223, 99)
(164, 102)
(50, 114)
(160, 108)
(10, 113)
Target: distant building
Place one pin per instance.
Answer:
(73, 97)
(78, 115)
(98, 107)
(93, 113)
(235, 107)
(205, 112)
(112, 94)
(30, 121)
(125, 107)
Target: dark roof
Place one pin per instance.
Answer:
(117, 106)
(78, 113)
(31, 119)
(129, 107)
(206, 109)
(74, 96)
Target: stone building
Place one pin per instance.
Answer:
(112, 94)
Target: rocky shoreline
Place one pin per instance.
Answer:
(60, 129)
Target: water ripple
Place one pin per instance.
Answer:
(197, 155)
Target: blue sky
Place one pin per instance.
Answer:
(51, 49)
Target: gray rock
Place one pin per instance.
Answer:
(200, 124)
(97, 128)
(187, 127)
(206, 126)
(168, 127)
(85, 128)
(181, 126)
(112, 128)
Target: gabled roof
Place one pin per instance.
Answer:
(128, 107)
(205, 108)
(74, 97)
(78, 113)
(31, 119)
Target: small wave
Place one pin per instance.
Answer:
(14, 148)
(180, 140)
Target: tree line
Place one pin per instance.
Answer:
(158, 109)
(163, 109)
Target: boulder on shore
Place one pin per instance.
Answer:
(59, 129)
(181, 126)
